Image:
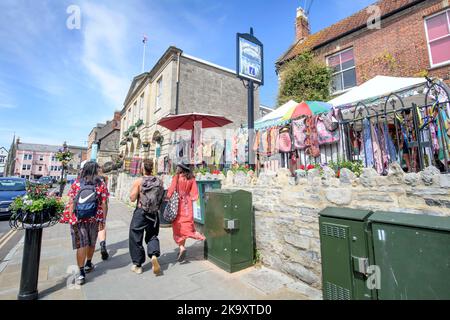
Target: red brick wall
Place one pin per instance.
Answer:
(399, 48)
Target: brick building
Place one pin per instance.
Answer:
(178, 84)
(413, 41)
(107, 137)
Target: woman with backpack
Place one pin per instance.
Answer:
(85, 214)
(183, 226)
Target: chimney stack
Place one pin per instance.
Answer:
(301, 25)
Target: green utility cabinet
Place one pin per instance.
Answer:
(413, 254)
(229, 229)
(346, 254)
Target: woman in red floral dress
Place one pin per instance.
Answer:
(84, 232)
(183, 226)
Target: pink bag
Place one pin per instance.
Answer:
(284, 142)
(325, 136)
(299, 130)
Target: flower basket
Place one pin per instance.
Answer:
(34, 220)
(139, 123)
(38, 209)
(136, 135)
(146, 144)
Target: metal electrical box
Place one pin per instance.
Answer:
(229, 222)
(346, 254)
(413, 255)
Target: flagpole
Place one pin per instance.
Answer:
(143, 57)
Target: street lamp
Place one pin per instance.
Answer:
(64, 156)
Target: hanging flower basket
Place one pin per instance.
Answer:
(136, 135)
(146, 144)
(38, 209)
(139, 123)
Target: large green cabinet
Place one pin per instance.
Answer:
(345, 251)
(413, 255)
(229, 223)
(384, 255)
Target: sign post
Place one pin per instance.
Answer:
(250, 67)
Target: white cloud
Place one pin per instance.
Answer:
(7, 106)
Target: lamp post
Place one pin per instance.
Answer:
(64, 156)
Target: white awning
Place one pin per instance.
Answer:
(378, 87)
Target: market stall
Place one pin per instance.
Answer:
(296, 135)
(403, 120)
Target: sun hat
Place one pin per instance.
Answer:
(184, 166)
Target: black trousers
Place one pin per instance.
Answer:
(140, 224)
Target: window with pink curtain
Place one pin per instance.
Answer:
(438, 30)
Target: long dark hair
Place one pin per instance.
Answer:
(89, 174)
(188, 174)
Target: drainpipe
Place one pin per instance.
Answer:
(178, 84)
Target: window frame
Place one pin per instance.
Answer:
(341, 72)
(430, 56)
(159, 85)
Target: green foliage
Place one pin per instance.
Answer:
(354, 166)
(257, 258)
(304, 78)
(139, 123)
(64, 156)
(37, 200)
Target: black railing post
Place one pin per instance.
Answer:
(30, 265)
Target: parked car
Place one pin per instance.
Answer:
(46, 181)
(10, 188)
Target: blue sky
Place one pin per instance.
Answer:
(56, 83)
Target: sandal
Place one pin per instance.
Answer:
(182, 255)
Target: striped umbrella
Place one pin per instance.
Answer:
(307, 108)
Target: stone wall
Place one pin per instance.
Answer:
(287, 209)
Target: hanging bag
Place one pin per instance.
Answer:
(171, 210)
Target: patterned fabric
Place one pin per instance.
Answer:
(312, 137)
(326, 136)
(84, 234)
(71, 218)
(284, 142)
(299, 130)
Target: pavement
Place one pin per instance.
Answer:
(194, 279)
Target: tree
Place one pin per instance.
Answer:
(304, 78)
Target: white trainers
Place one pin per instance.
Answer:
(136, 269)
(156, 266)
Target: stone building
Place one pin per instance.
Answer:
(3, 158)
(413, 40)
(106, 137)
(79, 155)
(178, 84)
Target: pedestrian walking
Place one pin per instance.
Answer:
(85, 213)
(148, 192)
(183, 225)
(102, 233)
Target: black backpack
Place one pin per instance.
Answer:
(86, 201)
(151, 195)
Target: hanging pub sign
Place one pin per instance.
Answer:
(250, 58)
